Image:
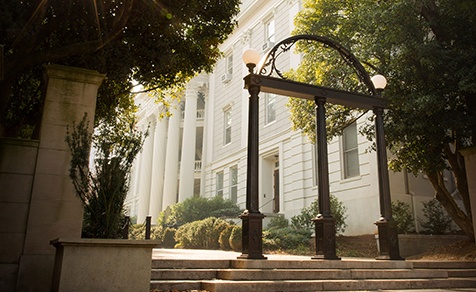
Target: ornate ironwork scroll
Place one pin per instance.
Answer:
(269, 66)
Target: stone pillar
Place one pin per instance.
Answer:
(187, 164)
(158, 170)
(470, 164)
(171, 159)
(146, 172)
(55, 211)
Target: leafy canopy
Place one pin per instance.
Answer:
(156, 43)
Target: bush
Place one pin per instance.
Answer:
(235, 238)
(137, 231)
(201, 234)
(304, 220)
(437, 221)
(198, 208)
(287, 238)
(403, 217)
(278, 222)
(168, 237)
(224, 238)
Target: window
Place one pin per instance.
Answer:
(269, 31)
(227, 126)
(219, 190)
(270, 100)
(234, 184)
(229, 64)
(350, 151)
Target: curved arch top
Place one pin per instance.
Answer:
(286, 44)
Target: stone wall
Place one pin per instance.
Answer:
(38, 203)
(17, 167)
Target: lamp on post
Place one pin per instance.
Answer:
(252, 219)
(251, 57)
(387, 228)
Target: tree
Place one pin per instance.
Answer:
(426, 49)
(156, 43)
(103, 188)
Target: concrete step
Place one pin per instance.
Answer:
(184, 274)
(190, 264)
(316, 274)
(319, 264)
(309, 275)
(314, 285)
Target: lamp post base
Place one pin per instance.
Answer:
(252, 236)
(325, 238)
(388, 240)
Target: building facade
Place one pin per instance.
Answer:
(201, 149)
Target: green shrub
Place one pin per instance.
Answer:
(235, 238)
(287, 238)
(304, 220)
(137, 231)
(403, 217)
(168, 237)
(201, 234)
(224, 238)
(198, 208)
(278, 222)
(437, 221)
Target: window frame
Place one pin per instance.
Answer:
(229, 64)
(219, 184)
(351, 152)
(234, 184)
(227, 125)
(270, 35)
(267, 107)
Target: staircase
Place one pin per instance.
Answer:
(309, 275)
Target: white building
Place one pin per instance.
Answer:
(202, 148)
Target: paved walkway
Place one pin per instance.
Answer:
(205, 254)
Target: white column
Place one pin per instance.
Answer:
(172, 156)
(207, 129)
(145, 173)
(158, 170)
(187, 165)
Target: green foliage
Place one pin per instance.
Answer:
(279, 236)
(224, 239)
(120, 39)
(286, 239)
(168, 237)
(103, 189)
(201, 234)
(304, 220)
(198, 208)
(426, 51)
(164, 235)
(436, 219)
(236, 238)
(403, 216)
(278, 222)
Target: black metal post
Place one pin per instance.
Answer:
(387, 228)
(252, 219)
(147, 227)
(125, 227)
(324, 222)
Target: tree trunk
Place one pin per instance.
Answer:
(447, 201)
